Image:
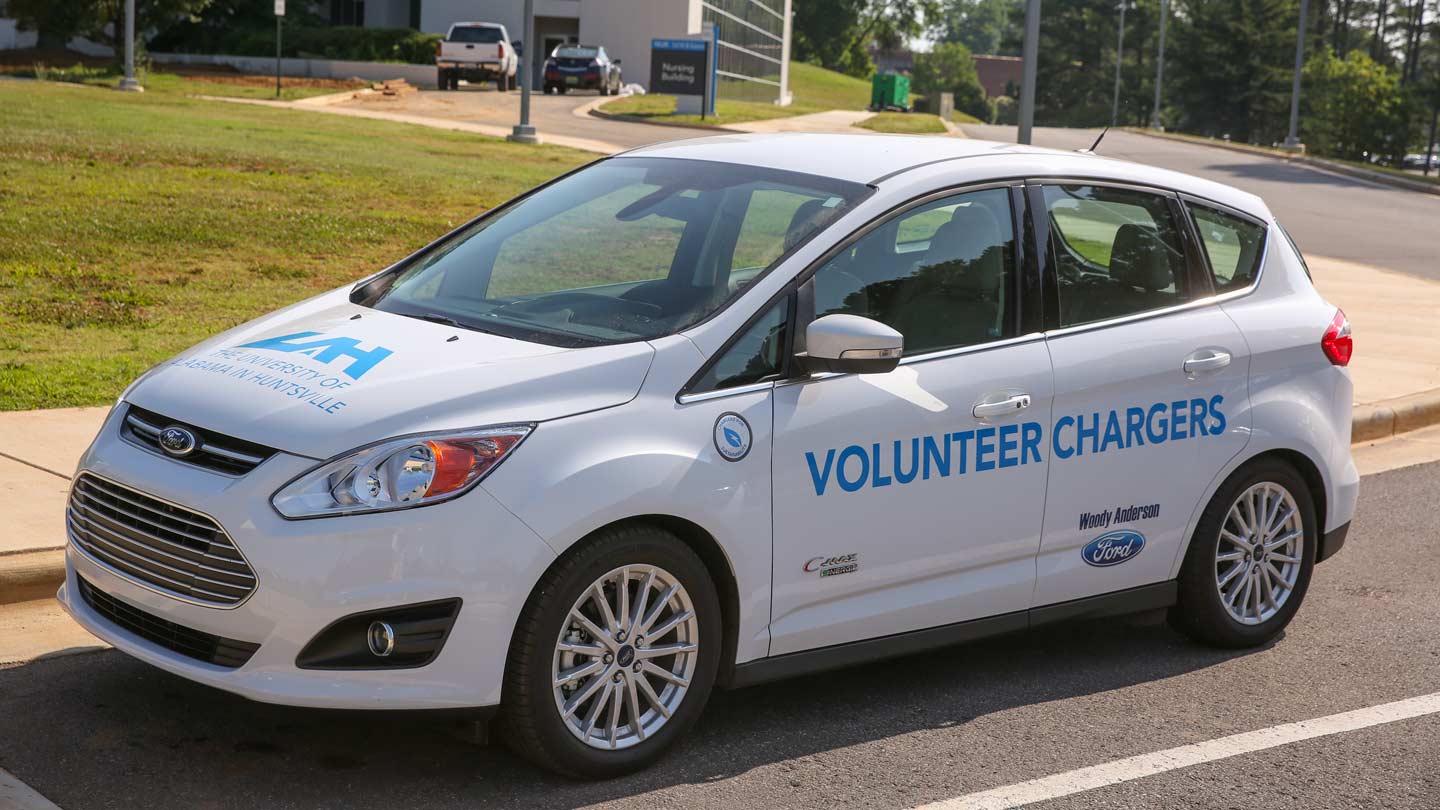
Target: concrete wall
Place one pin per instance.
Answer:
(418, 75)
(625, 28)
(436, 16)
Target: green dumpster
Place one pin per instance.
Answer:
(889, 91)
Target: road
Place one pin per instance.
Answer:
(552, 115)
(101, 730)
(1327, 214)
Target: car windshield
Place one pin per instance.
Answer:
(626, 249)
(574, 52)
(475, 33)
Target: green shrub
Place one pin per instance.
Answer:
(312, 41)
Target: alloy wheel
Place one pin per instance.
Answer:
(1258, 558)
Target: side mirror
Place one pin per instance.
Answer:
(519, 47)
(852, 344)
(616, 61)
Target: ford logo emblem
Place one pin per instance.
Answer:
(177, 441)
(1113, 548)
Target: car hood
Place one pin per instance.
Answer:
(326, 376)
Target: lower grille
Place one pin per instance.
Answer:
(196, 644)
(167, 548)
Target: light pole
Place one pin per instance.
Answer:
(1029, 53)
(1119, 59)
(1292, 141)
(523, 132)
(129, 83)
(1160, 66)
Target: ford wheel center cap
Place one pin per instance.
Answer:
(177, 441)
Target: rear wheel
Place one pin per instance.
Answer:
(614, 656)
(502, 83)
(1250, 562)
(442, 79)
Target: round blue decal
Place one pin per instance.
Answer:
(1113, 548)
(732, 436)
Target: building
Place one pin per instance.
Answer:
(754, 35)
(999, 74)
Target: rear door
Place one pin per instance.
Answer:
(1150, 377)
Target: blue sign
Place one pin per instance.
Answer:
(677, 45)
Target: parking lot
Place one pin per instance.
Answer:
(101, 730)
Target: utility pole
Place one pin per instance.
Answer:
(129, 83)
(1119, 59)
(279, 20)
(1430, 147)
(1029, 53)
(1160, 66)
(1292, 140)
(523, 132)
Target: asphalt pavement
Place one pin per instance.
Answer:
(1327, 214)
(102, 730)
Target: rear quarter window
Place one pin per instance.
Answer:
(1233, 246)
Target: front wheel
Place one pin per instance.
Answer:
(1250, 562)
(614, 656)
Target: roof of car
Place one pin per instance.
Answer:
(873, 159)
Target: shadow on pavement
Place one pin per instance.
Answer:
(1275, 171)
(105, 730)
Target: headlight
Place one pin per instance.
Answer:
(399, 473)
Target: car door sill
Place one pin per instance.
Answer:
(1133, 600)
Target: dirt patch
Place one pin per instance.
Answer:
(25, 59)
(247, 80)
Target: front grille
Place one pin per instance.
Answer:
(160, 545)
(197, 644)
(213, 451)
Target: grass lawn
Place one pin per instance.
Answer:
(904, 123)
(132, 226)
(185, 80)
(814, 89)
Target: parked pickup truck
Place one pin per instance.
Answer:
(476, 52)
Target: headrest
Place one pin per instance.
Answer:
(804, 221)
(1140, 258)
(971, 241)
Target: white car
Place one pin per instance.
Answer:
(729, 410)
(476, 52)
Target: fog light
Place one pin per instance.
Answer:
(381, 637)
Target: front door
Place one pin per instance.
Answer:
(1149, 392)
(914, 499)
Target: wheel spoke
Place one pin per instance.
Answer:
(662, 650)
(661, 672)
(1234, 539)
(576, 673)
(1270, 598)
(1230, 575)
(595, 708)
(590, 688)
(616, 705)
(660, 604)
(659, 630)
(1285, 558)
(1229, 556)
(623, 595)
(592, 650)
(606, 612)
(1283, 540)
(633, 698)
(654, 699)
(1279, 523)
(590, 627)
(642, 597)
(1238, 519)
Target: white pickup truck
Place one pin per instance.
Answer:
(476, 52)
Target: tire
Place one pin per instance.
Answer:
(1201, 610)
(502, 83)
(533, 709)
(442, 79)
(604, 89)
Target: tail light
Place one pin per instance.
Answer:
(502, 49)
(1337, 343)
(437, 47)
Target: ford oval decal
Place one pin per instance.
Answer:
(1113, 548)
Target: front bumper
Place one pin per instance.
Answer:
(311, 573)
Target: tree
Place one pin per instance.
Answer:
(837, 34)
(101, 21)
(1232, 62)
(1354, 107)
(983, 26)
(948, 68)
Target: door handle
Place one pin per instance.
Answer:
(1206, 360)
(1018, 402)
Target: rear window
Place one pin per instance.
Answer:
(577, 53)
(1232, 244)
(475, 33)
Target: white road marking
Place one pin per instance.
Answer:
(16, 795)
(1139, 767)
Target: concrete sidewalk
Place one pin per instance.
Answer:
(1396, 371)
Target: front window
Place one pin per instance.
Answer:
(627, 249)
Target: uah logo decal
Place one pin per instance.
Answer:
(732, 436)
(326, 350)
(1113, 548)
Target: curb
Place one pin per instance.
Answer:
(640, 119)
(1320, 163)
(27, 575)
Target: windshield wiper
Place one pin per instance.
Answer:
(446, 320)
